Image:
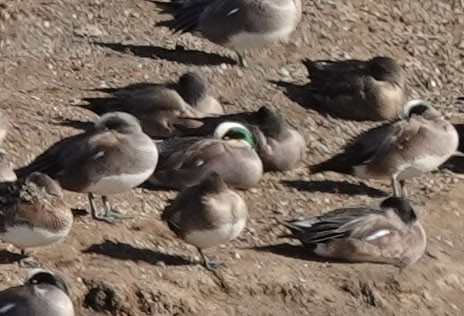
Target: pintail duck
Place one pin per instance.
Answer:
(207, 215)
(33, 213)
(280, 146)
(400, 150)
(160, 106)
(113, 157)
(371, 90)
(42, 294)
(390, 234)
(236, 24)
(184, 161)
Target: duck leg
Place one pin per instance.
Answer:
(27, 262)
(110, 216)
(404, 192)
(241, 60)
(395, 185)
(209, 264)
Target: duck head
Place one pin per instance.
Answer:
(192, 88)
(270, 121)
(422, 108)
(235, 133)
(121, 122)
(386, 69)
(42, 276)
(402, 208)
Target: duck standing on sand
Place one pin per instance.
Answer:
(207, 215)
(400, 150)
(236, 24)
(113, 157)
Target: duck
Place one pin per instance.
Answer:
(400, 150)
(111, 158)
(389, 234)
(235, 24)
(42, 294)
(160, 106)
(184, 161)
(207, 215)
(280, 146)
(33, 213)
(361, 90)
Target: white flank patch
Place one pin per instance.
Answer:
(24, 236)
(256, 40)
(233, 11)
(6, 308)
(119, 183)
(211, 238)
(421, 165)
(378, 234)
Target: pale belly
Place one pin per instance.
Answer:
(211, 238)
(26, 237)
(245, 40)
(421, 166)
(120, 183)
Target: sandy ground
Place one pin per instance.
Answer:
(53, 53)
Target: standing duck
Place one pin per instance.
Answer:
(111, 158)
(207, 215)
(236, 24)
(398, 151)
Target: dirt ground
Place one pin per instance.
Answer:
(53, 53)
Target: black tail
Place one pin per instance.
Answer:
(337, 163)
(104, 105)
(186, 14)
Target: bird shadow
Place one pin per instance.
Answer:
(7, 257)
(328, 186)
(297, 252)
(80, 125)
(454, 164)
(179, 54)
(123, 251)
(301, 95)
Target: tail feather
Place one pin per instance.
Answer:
(335, 164)
(186, 14)
(101, 106)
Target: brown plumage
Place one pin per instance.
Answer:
(113, 157)
(207, 214)
(390, 234)
(159, 107)
(280, 146)
(401, 150)
(185, 161)
(33, 212)
(359, 90)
